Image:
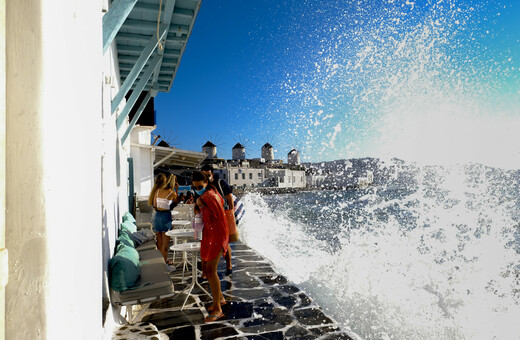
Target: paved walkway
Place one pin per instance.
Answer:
(260, 305)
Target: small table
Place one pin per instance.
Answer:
(174, 233)
(181, 223)
(193, 248)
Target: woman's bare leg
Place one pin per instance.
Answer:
(214, 284)
(228, 258)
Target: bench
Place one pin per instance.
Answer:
(153, 282)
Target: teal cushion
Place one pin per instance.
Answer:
(128, 217)
(123, 268)
(129, 226)
(124, 238)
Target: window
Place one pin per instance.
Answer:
(259, 175)
(250, 176)
(224, 176)
(236, 176)
(243, 176)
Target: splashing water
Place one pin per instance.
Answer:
(435, 82)
(435, 257)
(432, 250)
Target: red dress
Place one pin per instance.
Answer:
(215, 234)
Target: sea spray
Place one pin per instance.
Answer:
(432, 258)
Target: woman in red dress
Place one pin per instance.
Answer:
(215, 237)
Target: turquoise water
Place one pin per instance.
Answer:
(427, 253)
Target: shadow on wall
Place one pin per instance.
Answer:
(25, 217)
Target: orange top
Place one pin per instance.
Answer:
(215, 234)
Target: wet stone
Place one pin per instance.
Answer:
(289, 289)
(238, 310)
(175, 318)
(172, 302)
(263, 327)
(250, 294)
(239, 246)
(185, 333)
(286, 301)
(273, 279)
(297, 332)
(281, 316)
(214, 331)
(324, 330)
(249, 283)
(304, 300)
(336, 336)
(311, 316)
(263, 308)
(252, 258)
(267, 336)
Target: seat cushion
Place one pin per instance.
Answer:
(153, 282)
(124, 269)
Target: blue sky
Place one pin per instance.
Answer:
(343, 79)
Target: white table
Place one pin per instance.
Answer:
(181, 223)
(174, 233)
(193, 248)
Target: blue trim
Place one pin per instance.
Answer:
(138, 67)
(114, 19)
(137, 91)
(136, 117)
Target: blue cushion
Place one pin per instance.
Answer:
(129, 226)
(128, 217)
(124, 238)
(123, 268)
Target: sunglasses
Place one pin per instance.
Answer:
(200, 187)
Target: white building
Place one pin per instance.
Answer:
(241, 175)
(286, 178)
(66, 70)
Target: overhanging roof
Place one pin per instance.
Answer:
(150, 38)
(141, 27)
(174, 156)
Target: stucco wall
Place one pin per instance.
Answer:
(59, 221)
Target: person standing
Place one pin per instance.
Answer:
(161, 198)
(225, 191)
(215, 237)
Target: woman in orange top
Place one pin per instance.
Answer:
(215, 237)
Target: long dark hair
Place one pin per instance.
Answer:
(199, 176)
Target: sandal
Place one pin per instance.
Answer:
(210, 308)
(212, 318)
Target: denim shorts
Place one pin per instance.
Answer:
(162, 221)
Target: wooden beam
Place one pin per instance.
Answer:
(114, 19)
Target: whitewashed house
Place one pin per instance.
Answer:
(67, 69)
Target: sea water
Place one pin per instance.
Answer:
(428, 252)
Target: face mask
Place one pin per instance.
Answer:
(200, 192)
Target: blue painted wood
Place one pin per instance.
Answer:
(136, 117)
(114, 19)
(138, 89)
(166, 19)
(138, 67)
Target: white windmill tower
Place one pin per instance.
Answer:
(210, 149)
(239, 152)
(293, 157)
(267, 152)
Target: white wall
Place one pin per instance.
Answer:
(53, 172)
(66, 174)
(143, 162)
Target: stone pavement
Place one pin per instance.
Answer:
(260, 305)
